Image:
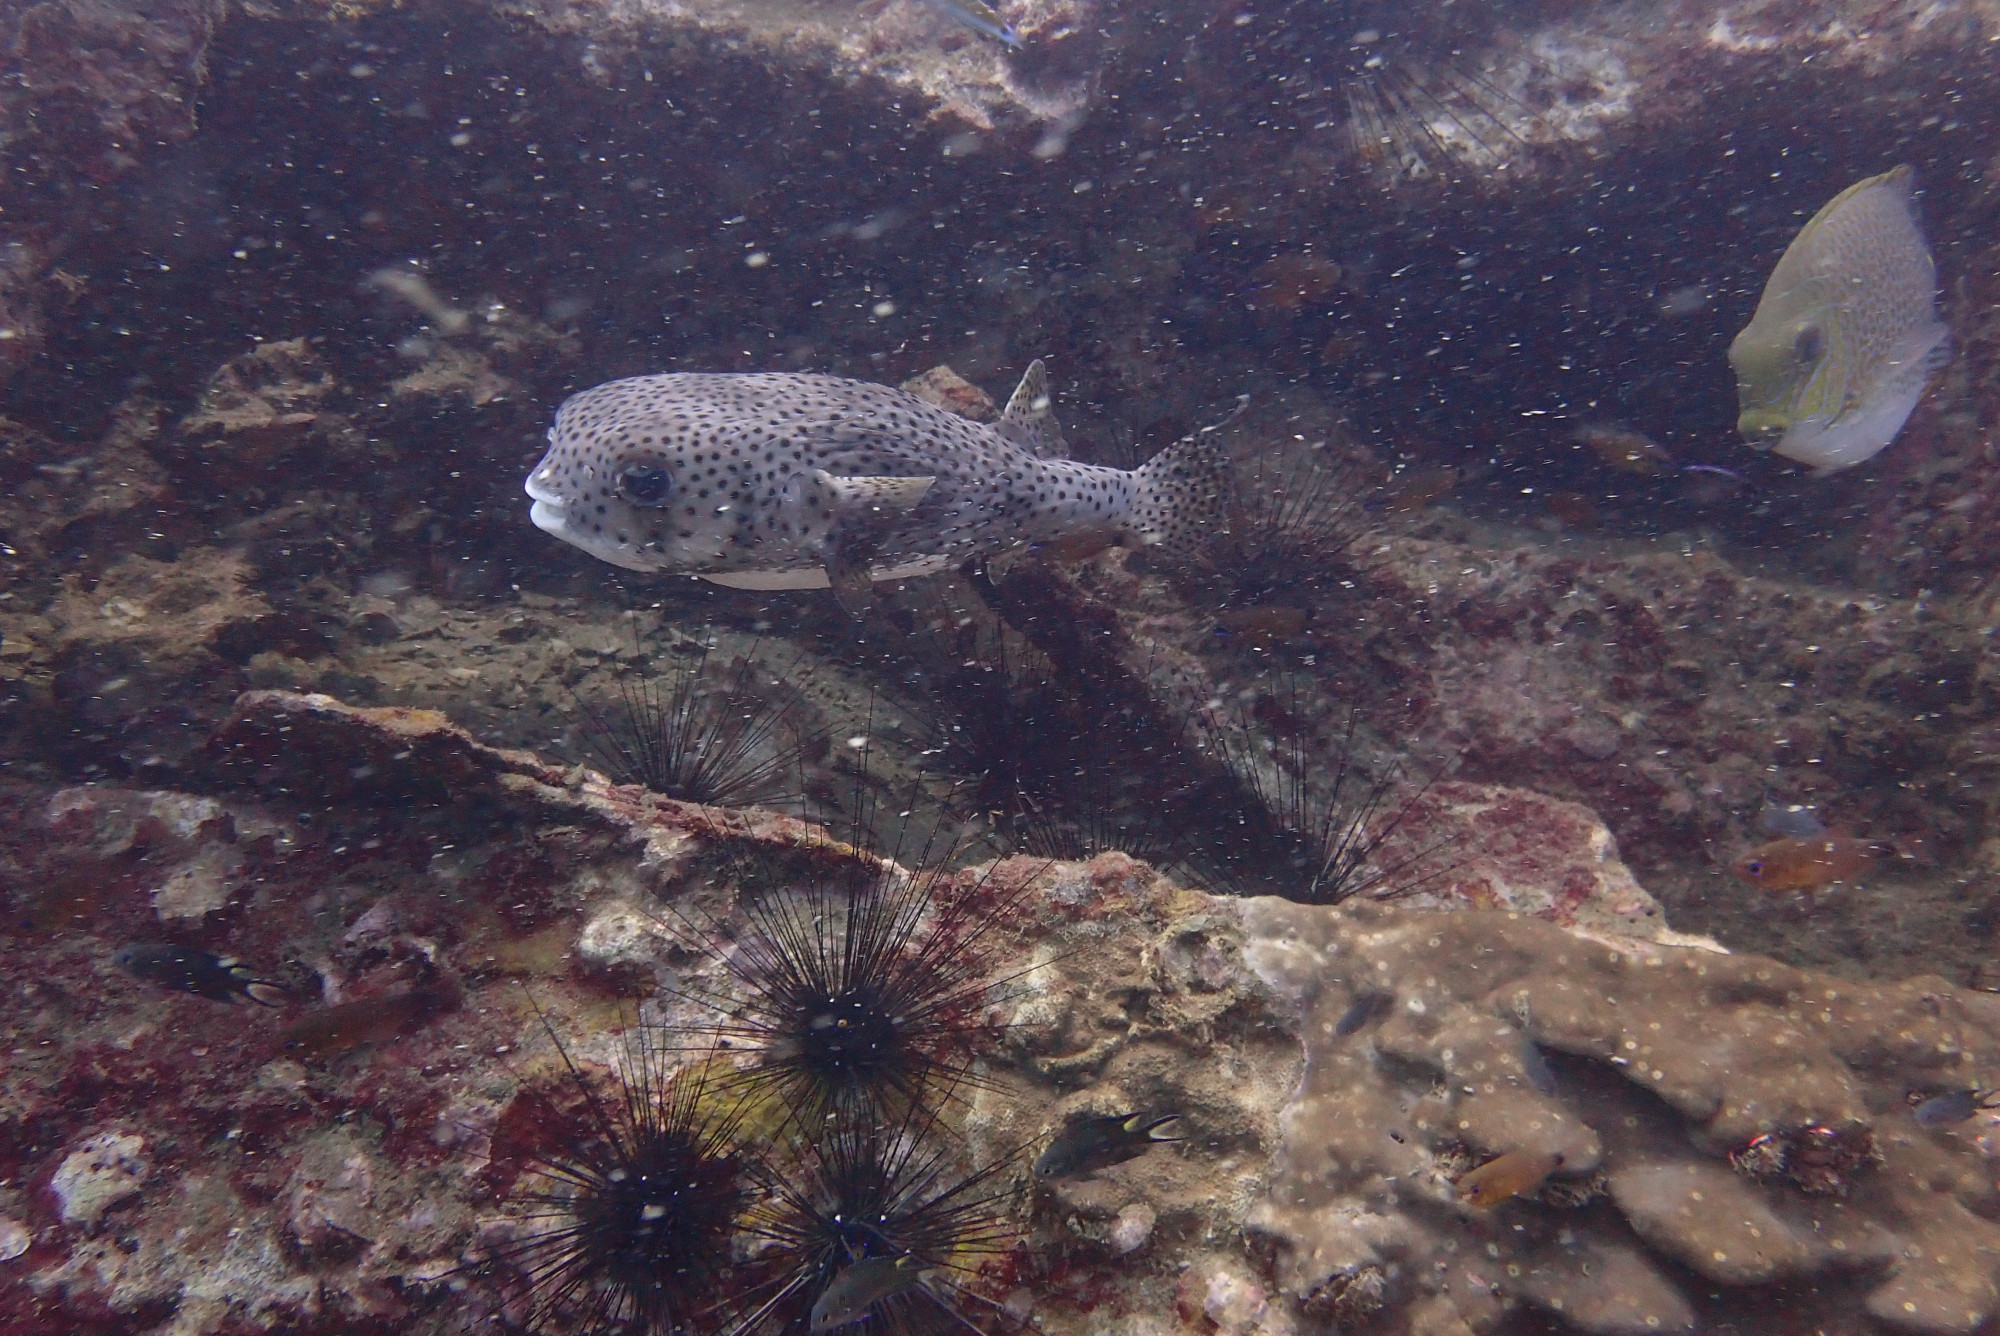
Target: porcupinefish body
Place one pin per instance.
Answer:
(783, 481)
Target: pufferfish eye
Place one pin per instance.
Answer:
(644, 484)
(1808, 344)
(1755, 867)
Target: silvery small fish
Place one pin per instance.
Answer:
(1536, 1067)
(856, 1289)
(1953, 1107)
(1366, 1007)
(185, 969)
(981, 18)
(1846, 333)
(783, 481)
(1791, 821)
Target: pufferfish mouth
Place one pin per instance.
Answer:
(538, 487)
(549, 518)
(547, 512)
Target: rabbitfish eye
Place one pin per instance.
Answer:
(644, 484)
(1808, 344)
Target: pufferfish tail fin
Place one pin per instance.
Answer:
(1184, 492)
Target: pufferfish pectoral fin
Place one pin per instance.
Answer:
(1030, 420)
(862, 512)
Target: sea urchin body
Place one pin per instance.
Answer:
(882, 1195)
(862, 987)
(631, 1217)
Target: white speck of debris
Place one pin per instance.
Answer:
(97, 1175)
(757, 259)
(883, 310)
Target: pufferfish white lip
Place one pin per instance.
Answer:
(548, 517)
(538, 487)
(547, 512)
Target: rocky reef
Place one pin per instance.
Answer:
(1732, 1131)
(278, 367)
(289, 293)
(1668, 685)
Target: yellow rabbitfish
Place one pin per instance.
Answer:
(1846, 333)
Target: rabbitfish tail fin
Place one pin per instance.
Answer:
(1183, 493)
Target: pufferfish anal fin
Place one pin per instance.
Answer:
(1030, 420)
(863, 511)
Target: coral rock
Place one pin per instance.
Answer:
(260, 406)
(1746, 1052)
(1946, 1281)
(1710, 1219)
(1732, 1105)
(96, 1176)
(1607, 1291)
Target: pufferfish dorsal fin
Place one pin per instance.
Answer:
(862, 511)
(1030, 419)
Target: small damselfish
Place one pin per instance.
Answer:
(187, 969)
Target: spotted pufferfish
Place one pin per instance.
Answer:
(776, 480)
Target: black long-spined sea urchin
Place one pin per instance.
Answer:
(1296, 512)
(634, 1204)
(1298, 828)
(728, 737)
(893, 1195)
(862, 987)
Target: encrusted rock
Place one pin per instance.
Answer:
(200, 886)
(621, 942)
(1605, 1290)
(1313, 1186)
(1709, 1219)
(105, 1170)
(1516, 849)
(950, 391)
(261, 406)
(329, 1214)
(1132, 1228)
(15, 1238)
